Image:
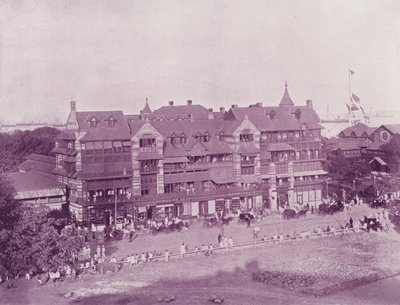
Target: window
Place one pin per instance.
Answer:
(248, 137)
(93, 122)
(247, 170)
(111, 122)
(299, 198)
(150, 142)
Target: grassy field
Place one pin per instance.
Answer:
(229, 274)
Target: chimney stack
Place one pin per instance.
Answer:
(309, 104)
(189, 102)
(234, 106)
(222, 109)
(73, 105)
(171, 103)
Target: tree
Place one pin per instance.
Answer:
(36, 245)
(15, 147)
(8, 217)
(392, 150)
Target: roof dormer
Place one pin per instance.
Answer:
(92, 121)
(110, 121)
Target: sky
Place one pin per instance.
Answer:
(111, 55)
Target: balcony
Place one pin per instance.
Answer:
(105, 174)
(149, 170)
(247, 162)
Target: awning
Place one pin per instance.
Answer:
(149, 156)
(249, 179)
(279, 147)
(223, 180)
(186, 177)
(310, 173)
(175, 160)
(165, 205)
(142, 209)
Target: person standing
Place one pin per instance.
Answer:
(182, 250)
(103, 251)
(230, 242)
(166, 256)
(219, 238)
(98, 251)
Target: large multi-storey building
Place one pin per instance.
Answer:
(190, 161)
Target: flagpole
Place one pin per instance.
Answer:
(351, 102)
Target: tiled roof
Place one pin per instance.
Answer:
(39, 164)
(359, 129)
(379, 160)
(31, 181)
(282, 119)
(248, 149)
(170, 128)
(198, 112)
(353, 143)
(120, 131)
(66, 135)
(217, 147)
(394, 128)
(174, 150)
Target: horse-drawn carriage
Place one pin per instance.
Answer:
(325, 208)
(378, 203)
(291, 214)
(172, 227)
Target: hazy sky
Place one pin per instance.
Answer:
(112, 54)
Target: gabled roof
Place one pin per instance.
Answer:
(120, 131)
(286, 100)
(283, 119)
(393, 128)
(358, 130)
(379, 160)
(169, 128)
(65, 135)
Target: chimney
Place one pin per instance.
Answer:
(189, 102)
(210, 109)
(234, 106)
(222, 109)
(309, 104)
(259, 104)
(73, 105)
(171, 103)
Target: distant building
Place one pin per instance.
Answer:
(35, 189)
(189, 161)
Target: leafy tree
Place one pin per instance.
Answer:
(16, 146)
(36, 245)
(392, 150)
(31, 238)
(8, 217)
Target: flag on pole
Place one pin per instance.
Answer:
(355, 98)
(351, 72)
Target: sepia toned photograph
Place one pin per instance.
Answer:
(189, 152)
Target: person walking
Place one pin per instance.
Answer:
(219, 238)
(131, 233)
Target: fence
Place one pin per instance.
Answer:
(257, 242)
